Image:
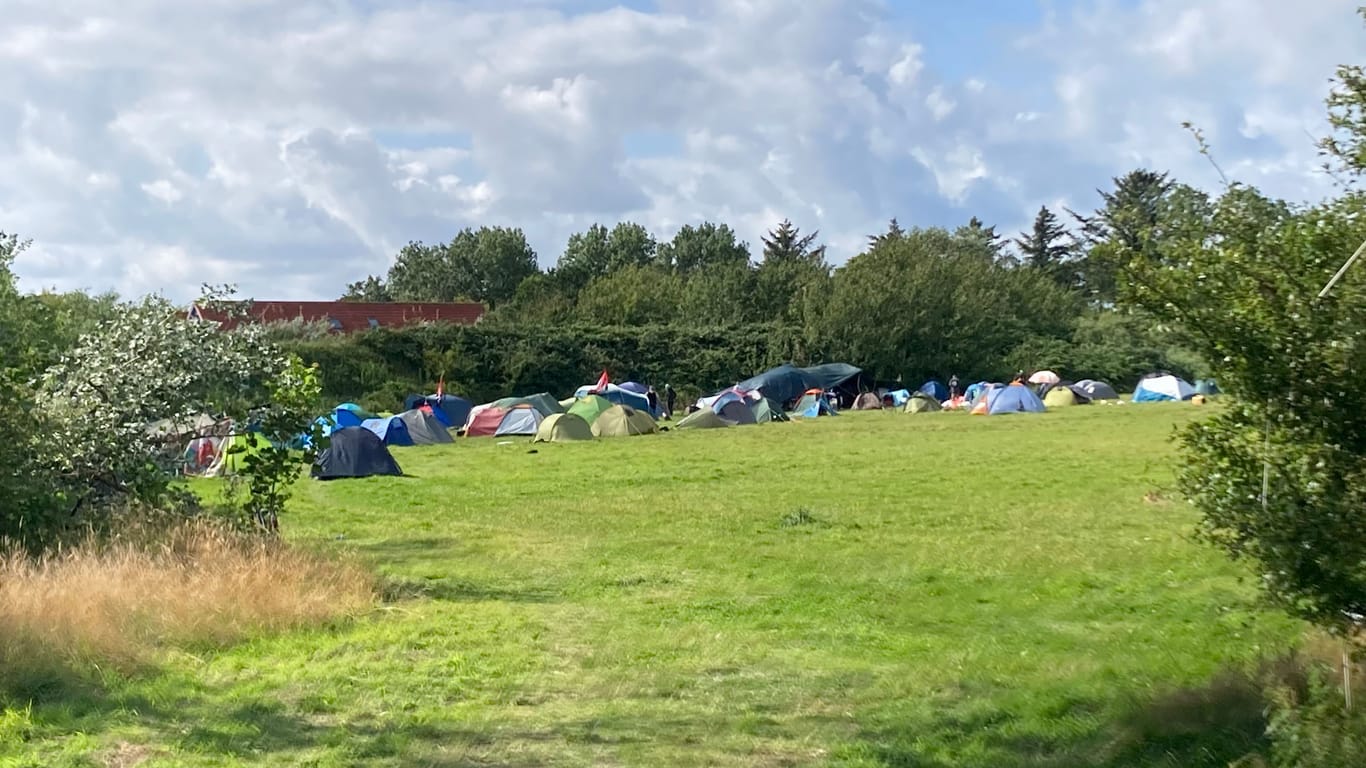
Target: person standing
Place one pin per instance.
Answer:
(953, 387)
(653, 397)
(670, 397)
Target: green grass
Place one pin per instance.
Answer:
(871, 590)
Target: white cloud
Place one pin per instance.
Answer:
(295, 144)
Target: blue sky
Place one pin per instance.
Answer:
(292, 146)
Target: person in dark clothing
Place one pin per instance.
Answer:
(653, 397)
(953, 386)
(670, 396)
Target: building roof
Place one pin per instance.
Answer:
(351, 316)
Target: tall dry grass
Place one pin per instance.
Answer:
(119, 605)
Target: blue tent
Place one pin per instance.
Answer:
(391, 430)
(345, 417)
(935, 389)
(726, 398)
(1158, 387)
(899, 397)
(619, 396)
(1015, 398)
(975, 391)
(450, 410)
(635, 386)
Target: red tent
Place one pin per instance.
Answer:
(485, 423)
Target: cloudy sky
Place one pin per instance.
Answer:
(292, 146)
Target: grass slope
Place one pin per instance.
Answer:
(875, 589)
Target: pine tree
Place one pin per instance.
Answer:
(1047, 248)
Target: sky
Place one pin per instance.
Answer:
(290, 147)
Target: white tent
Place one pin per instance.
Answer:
(1158, 387)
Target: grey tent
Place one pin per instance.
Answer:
(1095, 390)
(868, 401)
(354, 452)
(424, 428)
(541, 401)
(737, 412)
(705, 418)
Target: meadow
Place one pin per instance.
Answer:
(875, 589)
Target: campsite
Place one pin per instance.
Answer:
(775, 594)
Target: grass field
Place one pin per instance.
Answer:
(875, 589)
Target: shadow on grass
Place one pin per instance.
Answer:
(1214, 725)
(397, 589)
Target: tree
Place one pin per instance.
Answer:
(702, 247)
(791, 266)
(1279, 475)
(976, 230)
(1128, 220)
(26, 513)
(894, 232)
(1046, 248)
(485, 265)
(1345, 148)
(637, 295)
(370, 289)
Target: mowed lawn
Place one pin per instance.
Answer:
(875, 589)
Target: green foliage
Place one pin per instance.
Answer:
(1048, 248)
(633, 295)
(272, 465)
(793, 268)
(483, 265)
(370, 289)
(598, 253)
(929, 303)
(1346, 146)
(1313, 728)
(702, 247)
(1280, 475)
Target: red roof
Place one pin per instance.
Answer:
(352, 316)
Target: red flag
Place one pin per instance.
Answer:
(441, 387)
(603, 380)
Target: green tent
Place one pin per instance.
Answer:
(766, 410)
(590, 407)
(623, 421)
(541, 401)
(921, 403)
(1059, 397)
(703, 419)
(562, 428)
(232, 454)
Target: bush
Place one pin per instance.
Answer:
(1312, 728)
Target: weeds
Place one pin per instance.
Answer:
(115, 605)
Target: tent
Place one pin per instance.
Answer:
(590, 407)
(484, 421)
(955, 403)
(1058, 397)
(562, 428)
(617, 395)
(935, 389)
(705, 418)
(1206, 387)
(898, 397)
(523, 420)
(922, 402)
(736, 412)
(450, 410)
(424, 427)
(1015, 398)
(725, 398)
(635, 386)
(814, 403)
(1157, 387)
(623, 421)
(766, 410)
(391, 430)
(787, 382)
(1044, 377)
(359, 412)
(232, 453)
(975, 392)
(200, 455)
(541, 401)
(868, 401)
(1096, 390)
(343, 417)
(355, 452)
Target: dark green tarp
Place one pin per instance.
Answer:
(787, 382)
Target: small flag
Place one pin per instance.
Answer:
(603, 381)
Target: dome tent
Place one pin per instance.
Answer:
(523, 421)
(868, 401)
(814, 403)
(1157, 387)
(766, 411)
(1015, 398)
(354, 452)
(1059, 397)
(623, 421)
(391, 430)
(563, 428)
(921, 402)
(424, 427)
(1096, 390)
(589, 407)
(736, 412)
(934, 388)
(703, 418)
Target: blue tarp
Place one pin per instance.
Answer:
(899, 397)
(787, 382)
(619, 396)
